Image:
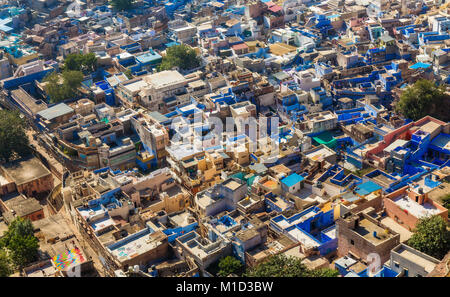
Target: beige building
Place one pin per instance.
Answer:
(158, 191)
(161, 85)
(195, 169)
(83, 106)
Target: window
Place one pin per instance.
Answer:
(406, 272)
(396, 264)
(352, 242)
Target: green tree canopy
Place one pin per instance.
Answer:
(14, 141)
(283, 266)
(21, 243)
(81, 62)
(431, 237)
(62, 87)
(446, 201)
(229, 265)
(72, 78)
(122, 4)
(180, 55)
(323, 272)
(424, 98)
(5, 264)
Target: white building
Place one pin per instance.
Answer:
(321, 121)
(306, 80)
(152, 89)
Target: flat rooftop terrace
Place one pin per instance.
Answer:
(304, 193)
(102, 223)
(201, 247)
(174, 190)
(206, 200)
(417, 259)
(136, 86)
(231, 184)
(284, 222)
(246, 202)
(439, 192)
(269, 248)
(416, 209)
(21, 205)
(405, 234)
(53, 226)
(25, 170)
(330, 232)
(366, 229)
(320, 154)
(181, 219)
(383, 180)
(135, 244)
(279, 202)
(90, 212)
(302, 237)
(350, 197)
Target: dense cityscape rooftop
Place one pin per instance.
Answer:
(162, 137)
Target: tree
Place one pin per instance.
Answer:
(14, 141)
(283, 266)
(431, 237)
(323, 272)
(424, 98)
(73, 62)
(54, 87)
(446, 201)
(21, 243)
(81, 62)
(229, 265)
(62, 87)
(5, 264)
(181, 56)
(73, 79)
(90, 62)
(122, 4)
(23, 249)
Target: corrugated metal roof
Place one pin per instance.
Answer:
(55, 111)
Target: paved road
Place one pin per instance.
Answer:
(55, 163)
